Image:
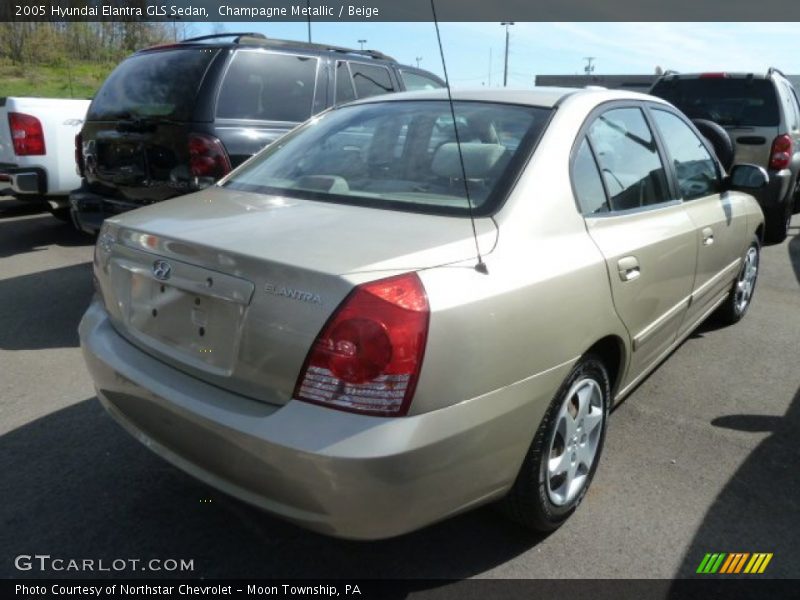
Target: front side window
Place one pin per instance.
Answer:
(694, 166)
(371, 80)
(396, 155)
(628, 158)
(266, 86)
(344, 85)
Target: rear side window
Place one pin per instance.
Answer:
(153, 84)
(586, 178)
(730, 102)
(266, 86)
(696, 169)
(628, 157)
(417, 81)
(371, 80)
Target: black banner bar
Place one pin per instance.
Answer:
(711, 588)
(400, 10)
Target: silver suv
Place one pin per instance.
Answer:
(761, 114)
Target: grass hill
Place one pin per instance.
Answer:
(76, 80)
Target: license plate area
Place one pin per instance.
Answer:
(200, 328)
(195, 317)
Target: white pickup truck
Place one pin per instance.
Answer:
(37, 149)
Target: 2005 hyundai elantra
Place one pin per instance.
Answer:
(323, 334)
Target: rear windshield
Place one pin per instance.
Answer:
(154, 84)
(401, 155)
(727, 101)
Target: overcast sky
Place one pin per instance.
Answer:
(558, 48)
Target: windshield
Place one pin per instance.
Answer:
(730, 102)
(153, 84)
(400, 155)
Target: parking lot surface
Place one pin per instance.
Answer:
(702, 457)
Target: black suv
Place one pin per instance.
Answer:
(173, 119)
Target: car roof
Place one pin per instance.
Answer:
(546, 97)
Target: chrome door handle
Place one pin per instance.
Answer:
(628, 268)
(708, 236)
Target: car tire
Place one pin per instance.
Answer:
(776, 227)
(744, 286)
(541, 497)
(719, 139)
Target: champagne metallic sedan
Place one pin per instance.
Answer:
(407, 307)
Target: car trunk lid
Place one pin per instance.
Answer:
(252, 278)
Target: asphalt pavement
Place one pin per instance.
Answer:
(702, 457)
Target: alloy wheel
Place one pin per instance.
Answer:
(575, 441)
(747, 280)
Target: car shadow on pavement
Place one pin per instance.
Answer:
(77, 486)
(757, 510)
(43, 309)
(36, 232)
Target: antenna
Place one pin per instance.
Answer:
(480, 267)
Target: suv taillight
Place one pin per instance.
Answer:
(26, 134)
(368, 356)
(781, 153)
(207, 157)
(79, 165)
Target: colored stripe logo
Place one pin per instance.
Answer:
(734, 563)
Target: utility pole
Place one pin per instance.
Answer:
(418, 59)
(506, 24)
(308, 12)
(589, 68)
(362, 42)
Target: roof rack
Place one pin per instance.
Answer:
(262, 40)
(213, 36)
(772, 70)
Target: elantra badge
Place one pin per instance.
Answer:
(162, 270)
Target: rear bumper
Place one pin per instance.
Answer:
(24, 181)
(337, 473)
(88, 209)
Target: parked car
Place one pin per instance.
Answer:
(174, 119)
(37, 162)
(317, 336)
(761, 113)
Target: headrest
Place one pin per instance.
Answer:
(479, 159)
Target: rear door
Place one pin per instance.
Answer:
(135, 139)
(719, 219)
(642, 230)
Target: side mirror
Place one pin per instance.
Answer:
(746, 177)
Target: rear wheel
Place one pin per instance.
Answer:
(563, 457)
(738, 301)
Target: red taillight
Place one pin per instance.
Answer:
(781, 153)
(79, 165)
(207, 157)
(368, 356)
(26, 134)
(713, 75)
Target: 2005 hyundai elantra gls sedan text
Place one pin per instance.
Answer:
(317, 336)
